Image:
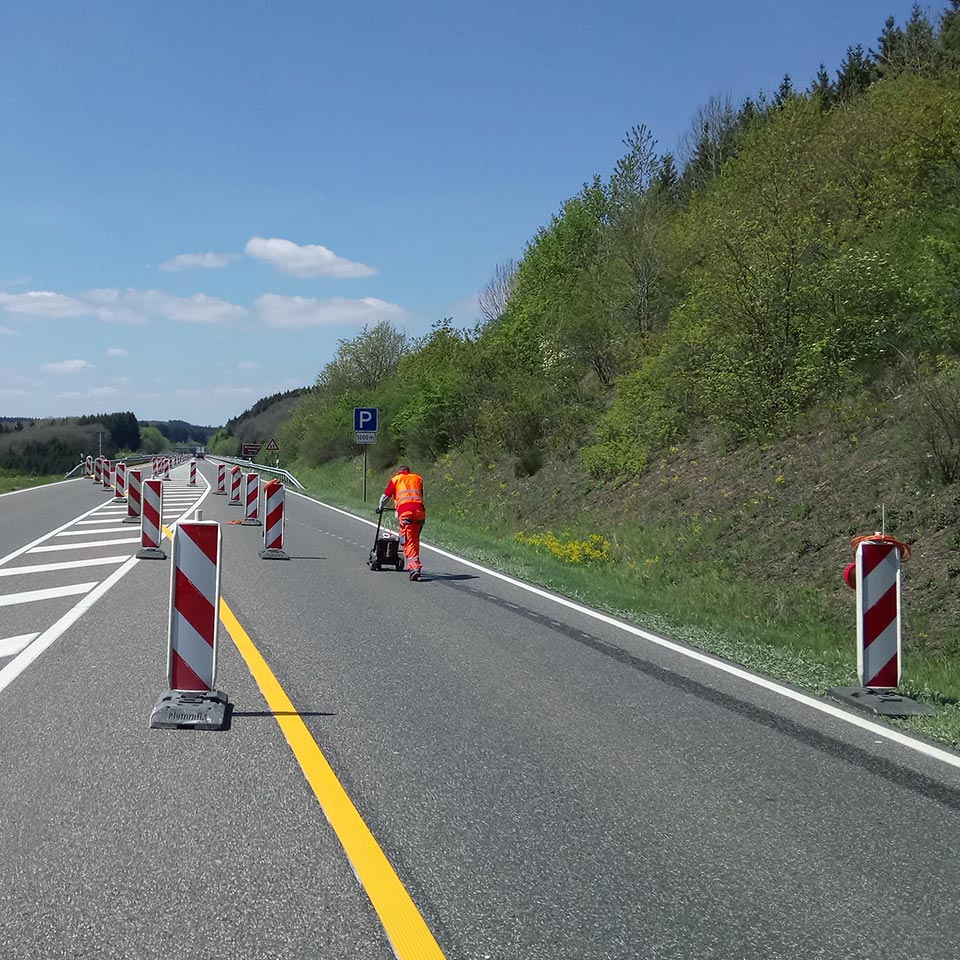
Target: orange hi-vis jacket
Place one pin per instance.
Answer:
(407, 492)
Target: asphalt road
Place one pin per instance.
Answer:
(544, 784)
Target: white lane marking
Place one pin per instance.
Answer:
(48, 593)
(81, 523)
(46, 536)
(92, 533)
(23, 659)
(62, 565)
(80, 546)
(888, 733)
(13, 645)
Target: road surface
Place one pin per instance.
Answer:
(539, 782)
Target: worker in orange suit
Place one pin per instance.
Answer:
(406, 489)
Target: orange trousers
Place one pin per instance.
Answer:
(410, 526)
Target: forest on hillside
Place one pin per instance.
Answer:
(802, 247)
(56, 444)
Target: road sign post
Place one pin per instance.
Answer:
(365, 425)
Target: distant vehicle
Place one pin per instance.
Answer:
(201, 453)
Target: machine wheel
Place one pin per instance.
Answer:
(399, 563)
(374, 565)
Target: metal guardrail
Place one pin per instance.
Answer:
(137, 458)
(258, 466)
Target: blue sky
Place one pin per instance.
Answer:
(200, 199)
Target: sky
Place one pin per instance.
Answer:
(199, 200)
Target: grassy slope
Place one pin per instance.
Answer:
(10, 481)
(737, 551)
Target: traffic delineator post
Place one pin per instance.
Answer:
(98, 470)
(879, 632)
(192, 700)
(120, 482)
(234, 500)
(221, 490)
(151, 519)
(88, 469)
(251, 500)
(193, 473)
(106, 478)
(134, 495)
(876, 576)
(273, 506)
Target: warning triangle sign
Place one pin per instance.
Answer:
(272, 445)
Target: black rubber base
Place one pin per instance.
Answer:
(881, 703)
(191, 710)
(274, 554)
(151, 553)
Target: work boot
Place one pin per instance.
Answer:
(414, 574)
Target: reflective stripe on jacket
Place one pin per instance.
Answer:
(407, 492)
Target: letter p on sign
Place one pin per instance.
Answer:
(365, 418)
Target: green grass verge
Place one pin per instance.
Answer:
(666, 579)
(10, 480)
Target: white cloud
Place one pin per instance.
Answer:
(137, 306)
(116, 352)
(248, 365)
(43, 303)
(67, 366)
(93, 393)
(7, 332)
(310, 260)
(202, 261)
(274, 310)
(122, 306)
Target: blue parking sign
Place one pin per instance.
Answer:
(365, 418)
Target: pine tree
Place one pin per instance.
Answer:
(888, 56)
(856, 73)
(919, 44)
(784, 92)
(822, 90)
(949, 37)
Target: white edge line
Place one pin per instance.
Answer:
(42, 486)
(807, 700)
(23, 660)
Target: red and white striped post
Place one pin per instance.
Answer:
(134, 484)
(98, 470)
(193, 473)
(273, 522)
(88, 470)
(221, 490)
(120, 476)
(150, 521)
(166, 468)
(194, 603)
(234, 500)
(191, 700)
(879, 631)
(107, 474)
(251, 500)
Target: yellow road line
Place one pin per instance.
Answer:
(408, 932)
